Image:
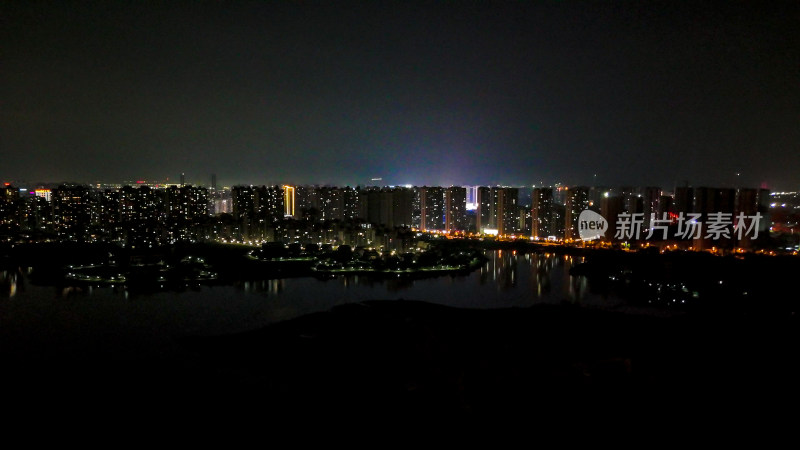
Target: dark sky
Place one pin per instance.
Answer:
(613, 93)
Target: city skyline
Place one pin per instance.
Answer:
(421, 93)
(212, 182)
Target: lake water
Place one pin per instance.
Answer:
(43, 321)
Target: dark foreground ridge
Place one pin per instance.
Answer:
(416, 357)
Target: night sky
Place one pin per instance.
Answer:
(603, 93)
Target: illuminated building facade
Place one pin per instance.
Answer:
(577, 200)
(145, 216)
(288, 201)
(9, 199)
(472, 198)
(484, 209)
(44, 193)
(505, 211)
(350, 203)
(543, 221)
(72, 212)
(330, 203)
(455, 209)
(431, 208)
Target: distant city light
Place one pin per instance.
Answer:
(44, 193)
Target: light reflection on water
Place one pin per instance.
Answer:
(34, 313)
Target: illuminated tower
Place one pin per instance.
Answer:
(288, 201)
(472, 198)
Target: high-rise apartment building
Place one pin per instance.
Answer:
(505, 212)
(431, 208)
(577, 200)
(455, 209)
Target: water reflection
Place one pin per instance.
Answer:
(500, 269)
(269, 287)
(508, 274)
(541, 266)
(541, 275)
(507, 279)
(10, 283)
